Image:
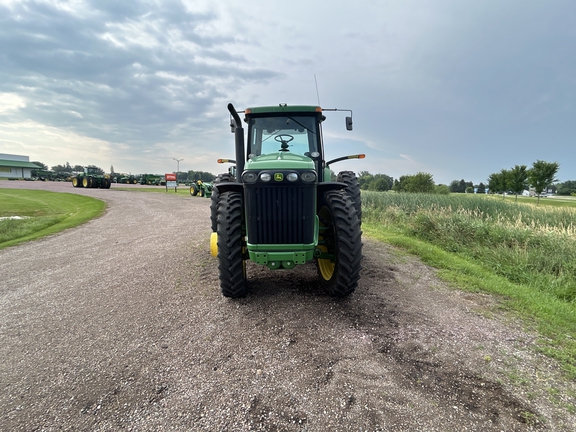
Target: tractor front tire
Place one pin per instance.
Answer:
(193, 190)
(340, 241)
(220, 178)
(76, 182)
(352, 190)
(231, 263)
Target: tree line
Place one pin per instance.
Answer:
(66, 170)
(516, 180)
(541, 177)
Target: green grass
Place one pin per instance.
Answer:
(557, 201)
(522, 252)
(44, 213)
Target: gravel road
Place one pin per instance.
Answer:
(119, 324)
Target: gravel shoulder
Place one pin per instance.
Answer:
(119, 324)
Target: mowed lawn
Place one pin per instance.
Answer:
(30, 214)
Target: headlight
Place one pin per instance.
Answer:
(249, 177)
(308, 176)
(265, 177)
(292, 177)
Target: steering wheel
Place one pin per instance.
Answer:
(284, 139)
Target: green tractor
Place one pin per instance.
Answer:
(91, 178)
(150, 179)
(278, 207)
(128, 179)
(200, 188)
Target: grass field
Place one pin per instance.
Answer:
(523, 252)
(42, 213)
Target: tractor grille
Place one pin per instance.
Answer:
(279, 214)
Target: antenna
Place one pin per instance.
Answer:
(317, 94)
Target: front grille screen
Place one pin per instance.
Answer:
(278, 214)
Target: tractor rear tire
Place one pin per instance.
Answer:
(341, 239)
(231, 263)
(220, 178)
(105, 184)
(352, 190)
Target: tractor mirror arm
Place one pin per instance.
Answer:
(349, 123)
(358, 156)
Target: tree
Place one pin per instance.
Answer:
(481, 188)
(200, 175)
(442, 189)
(517, 179)
(112, 171)
(62, 168)
(379, 184)
(565, 188)
(469, 189)
(460, 186)
(364, 179)
(41, 165)
(542, 174)
(454, 186)
(497, 182)
(418, 183)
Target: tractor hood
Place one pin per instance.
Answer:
(280, 160)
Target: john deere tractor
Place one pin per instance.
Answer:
(200, 188)
(280, 208)
(91, 178)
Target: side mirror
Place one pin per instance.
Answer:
(349, 123)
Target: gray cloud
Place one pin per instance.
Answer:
(458, 89)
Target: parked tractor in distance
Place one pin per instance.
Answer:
(91, 178)
(200, 188)
(277, 207)
(150, 179)
(128, 179)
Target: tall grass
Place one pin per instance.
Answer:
(524, 252)
(531, 245)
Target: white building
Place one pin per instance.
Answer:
(16, 166)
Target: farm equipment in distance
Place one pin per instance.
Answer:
(129, 179)
(150, 179)
(200, 188)
(91, 178)
(278, 207)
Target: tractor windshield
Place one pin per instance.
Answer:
(296, 134)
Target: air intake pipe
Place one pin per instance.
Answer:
(239, 143)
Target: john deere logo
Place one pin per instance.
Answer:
(278, 177)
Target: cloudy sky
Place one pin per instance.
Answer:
(456, 88)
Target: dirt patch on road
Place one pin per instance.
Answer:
(132, 333)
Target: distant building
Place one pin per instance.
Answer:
(16, 166)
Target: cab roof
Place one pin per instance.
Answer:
(283, 108)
